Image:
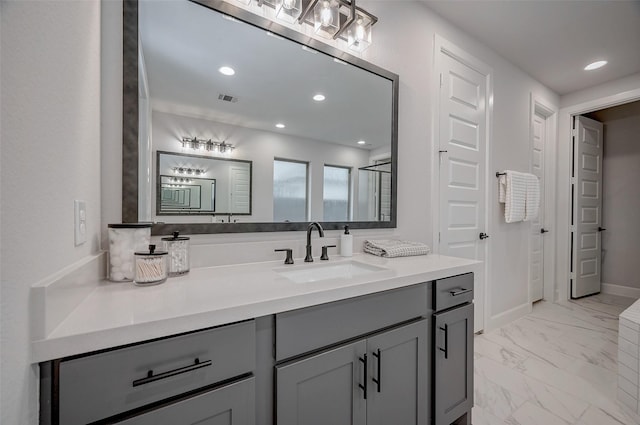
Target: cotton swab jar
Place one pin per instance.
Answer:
(150, 267)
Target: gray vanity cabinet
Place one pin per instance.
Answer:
(376, 381)
(323, 389)
(453, 366)
(230, 405)
(398, 390)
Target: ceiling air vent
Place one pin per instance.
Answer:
(227, 98)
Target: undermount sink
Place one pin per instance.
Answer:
(342, 270)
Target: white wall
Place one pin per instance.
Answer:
(599, 97)
(621, 200)
(50, 105)
(56, 107)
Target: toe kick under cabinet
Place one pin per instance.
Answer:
(402, 357)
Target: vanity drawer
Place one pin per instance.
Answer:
(105, 384)
(452, 291)
(307, 329)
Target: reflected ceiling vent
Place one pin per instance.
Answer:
(227, 98)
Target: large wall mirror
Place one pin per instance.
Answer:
(300, 131)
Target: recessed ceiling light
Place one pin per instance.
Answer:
(595, 65)
(226, 70)
(319, 97)
(362, 142)
(280, 125)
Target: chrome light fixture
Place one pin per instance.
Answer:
(207, 145)
(359, 32)
(326, 18)
(288, 10)
(334, 19)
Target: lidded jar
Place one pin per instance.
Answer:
(124, 240)
(178, 248)
(150, 267)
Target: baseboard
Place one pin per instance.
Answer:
(623, 291)
(508, 316)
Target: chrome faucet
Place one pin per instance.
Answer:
(309, 258)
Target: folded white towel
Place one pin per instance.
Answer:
(532, 206)
(502, 188)
(395, 248)
(515, 196)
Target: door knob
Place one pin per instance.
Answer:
(543, 230)
(483, 236)
(601, 229)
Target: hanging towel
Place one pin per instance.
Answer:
(502, 188)
(515, 196)
(395, 248)
(532, 206)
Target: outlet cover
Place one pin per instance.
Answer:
(80, 221)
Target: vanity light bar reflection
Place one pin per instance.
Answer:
(207, 145)
(331, 19)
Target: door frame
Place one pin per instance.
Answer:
(565, 155)
(545, 108)
(442, 45)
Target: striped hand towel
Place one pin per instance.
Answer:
(390, 248)
(515, 197)
(532, 204)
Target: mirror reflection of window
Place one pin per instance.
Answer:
(336, 193)
(290, 194)
(385, 193)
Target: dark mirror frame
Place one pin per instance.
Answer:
(130, 126)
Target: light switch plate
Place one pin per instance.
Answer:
(80, 221)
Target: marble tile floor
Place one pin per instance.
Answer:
(556, 366)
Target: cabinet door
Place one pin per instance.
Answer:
(323, 389)
(398, 376)
(453, 365)
(233, 404)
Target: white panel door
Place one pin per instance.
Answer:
(536, 251)
(240, 190)
(587, 208)
(462, 143)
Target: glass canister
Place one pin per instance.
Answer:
(178, 248)
(150, 267)
(124, 240)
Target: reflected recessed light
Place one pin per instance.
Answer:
(280, 125)
(362, 142)
(226, 70)
(595, 65)
(319, 97)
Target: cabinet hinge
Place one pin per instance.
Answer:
(438, 237)
(572, 275)
(440, 80)
(573, 180)
(574, 132)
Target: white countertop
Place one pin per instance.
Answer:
(121, 313)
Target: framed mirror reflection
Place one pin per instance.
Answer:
(280, 129)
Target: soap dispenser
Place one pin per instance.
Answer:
(346, 243)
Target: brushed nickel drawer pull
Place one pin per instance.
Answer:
(197, 364)
(460, 292)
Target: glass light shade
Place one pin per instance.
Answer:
(359, 33)
(326, 18)
(288, 10)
